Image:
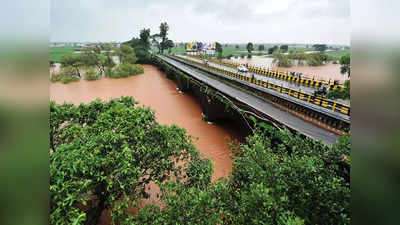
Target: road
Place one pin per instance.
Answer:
(268, 109)
(283, 83)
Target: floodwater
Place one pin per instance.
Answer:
(153, 89)
(325, 72)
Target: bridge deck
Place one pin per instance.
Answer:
(283, 83)
(268, 109)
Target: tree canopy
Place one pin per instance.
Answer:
(345, 64)
(250, 47)
(103, 154)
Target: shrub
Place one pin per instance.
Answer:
(126, 70)
(66, 75)
(242, 56)
(105, 153)
(55, 77)
(91, 74)
(108, 71)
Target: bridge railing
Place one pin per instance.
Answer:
(314, 100)
(281, 75)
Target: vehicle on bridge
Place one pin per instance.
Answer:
(242, 69)
(321, 91)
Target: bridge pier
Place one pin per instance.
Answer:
(183, 83)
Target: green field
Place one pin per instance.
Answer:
(57, 52)
(336, 55)
(232, 50)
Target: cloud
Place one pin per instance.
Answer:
(203, 20)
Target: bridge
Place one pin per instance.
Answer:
(219, 85)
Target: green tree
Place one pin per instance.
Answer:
(345, 65)
(281, 60)
(145, 38)
(261, 48)
(104, 154)
(250, 47)
(284, 48)
(218, 49)
(320, 47)
(237, 46)
(272, 49)
(70, 60)
(163, 34)
(315, 59)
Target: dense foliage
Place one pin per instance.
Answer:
(91, 74)
(65, 75)
(277, 178)
(103, 155)
(125, 70)
(340, 94)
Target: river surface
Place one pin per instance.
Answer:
(152, 89)
(325, 72)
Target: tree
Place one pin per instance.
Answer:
(345, 65)
(277, 178)
(126, 53)
(284, 48)
(163, 34)
(250, 47)
(104, 154)
(218, 49)
(315, 59)
(281, 60)
(320, 47)
(145, 38)
(70, 60)
(261, 48)
(272, 50)
(237, 46)
(169, 44)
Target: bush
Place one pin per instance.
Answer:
(339, 94)
(91, 74)
(108, 71)
(126, 70)
(242, 56)
(103, 155)
(66, 75)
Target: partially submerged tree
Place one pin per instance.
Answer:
(281, 60)
(345, 65)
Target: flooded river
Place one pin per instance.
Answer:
(154, 90)
(324, 72)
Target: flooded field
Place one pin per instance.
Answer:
(325, 72)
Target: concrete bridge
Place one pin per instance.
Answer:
(217, 90)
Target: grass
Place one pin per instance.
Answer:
(336, 55)
(232, 50)
(57, 52)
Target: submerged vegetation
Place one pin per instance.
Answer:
(103, 154)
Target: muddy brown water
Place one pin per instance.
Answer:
(325, 72)
(152, 89)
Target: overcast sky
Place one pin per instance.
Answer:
(226, 21)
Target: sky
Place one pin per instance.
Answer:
(225, 21)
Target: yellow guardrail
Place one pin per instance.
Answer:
(325, 103)
(282, 75)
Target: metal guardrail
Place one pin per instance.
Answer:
(276, 74)
(325, 103)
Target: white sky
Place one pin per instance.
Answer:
(226, 21)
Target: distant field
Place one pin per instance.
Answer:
(338, 54)
(232, 50)
(57, 52)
